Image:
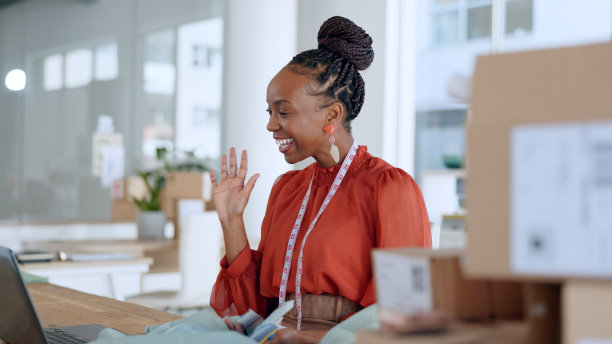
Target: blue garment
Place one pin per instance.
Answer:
(198, 328)
(206, 327)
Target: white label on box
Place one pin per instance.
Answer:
(561, 199)
(403, 283)
(594, 341)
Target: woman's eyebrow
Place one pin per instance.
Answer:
(276, 102)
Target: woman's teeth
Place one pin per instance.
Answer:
(284, 142)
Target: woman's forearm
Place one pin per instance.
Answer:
(234, 236)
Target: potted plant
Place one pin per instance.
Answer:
(151, 220)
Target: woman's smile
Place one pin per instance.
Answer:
(284, 144)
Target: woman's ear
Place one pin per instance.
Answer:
(335, 113)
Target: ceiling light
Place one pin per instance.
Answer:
(15, 80)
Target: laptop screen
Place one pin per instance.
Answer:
(18, 320)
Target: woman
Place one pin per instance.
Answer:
(321, 222)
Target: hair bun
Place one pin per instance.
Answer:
(342, 36)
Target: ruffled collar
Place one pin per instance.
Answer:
(326, 175)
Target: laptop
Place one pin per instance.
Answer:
(19, 323)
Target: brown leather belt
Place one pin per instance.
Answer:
(320, 312)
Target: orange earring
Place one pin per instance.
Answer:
(330, 128)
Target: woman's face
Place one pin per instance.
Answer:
(296, 118)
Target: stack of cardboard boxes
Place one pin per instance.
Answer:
(539, 200)
(183, 193)
(540, 180)
(123, 191)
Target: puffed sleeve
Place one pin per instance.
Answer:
(402, 217)
(237, 288)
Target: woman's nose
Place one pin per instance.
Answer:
(272, 123)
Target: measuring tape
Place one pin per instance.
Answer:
(296, 228)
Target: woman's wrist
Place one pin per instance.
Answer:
(230, 222)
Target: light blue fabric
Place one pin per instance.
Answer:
(199, 328)
(345, 332)
(206, 327)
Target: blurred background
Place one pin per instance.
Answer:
(106, 82)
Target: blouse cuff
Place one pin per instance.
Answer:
(240, 264)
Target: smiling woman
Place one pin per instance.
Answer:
(321, 222)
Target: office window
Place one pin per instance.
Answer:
(106, 62)
(479, 21)
(445, 27)
(199, 83)
(459, 21)
(519, 17)
(159, 65)
(200, 55)
(53, 67)
(440, 133)
(78, 68)
(446, 52)
(159, 85)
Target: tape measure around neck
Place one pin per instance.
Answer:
(296, 228)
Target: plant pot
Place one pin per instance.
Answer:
(151, 224)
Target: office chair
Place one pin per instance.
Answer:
(199, 255)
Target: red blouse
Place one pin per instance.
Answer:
(377, 205)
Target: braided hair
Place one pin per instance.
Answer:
(344, 49)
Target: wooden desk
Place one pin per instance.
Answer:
(59, 306)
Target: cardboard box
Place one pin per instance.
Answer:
(123, 211)
(494, 332)
(179, 185)
(443, 286)
(185, 184)
(534, 98)
(129, 188)
(507, 299)
(587, 312)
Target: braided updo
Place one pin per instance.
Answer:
(344, 49)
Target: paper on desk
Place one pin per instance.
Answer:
(561, 199)
(403, 283)
(83, 257)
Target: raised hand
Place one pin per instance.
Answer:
(231, 194)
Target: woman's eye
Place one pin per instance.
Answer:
(269, 112)
(283, 113)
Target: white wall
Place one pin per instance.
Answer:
(370, 15)
(259, 41)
